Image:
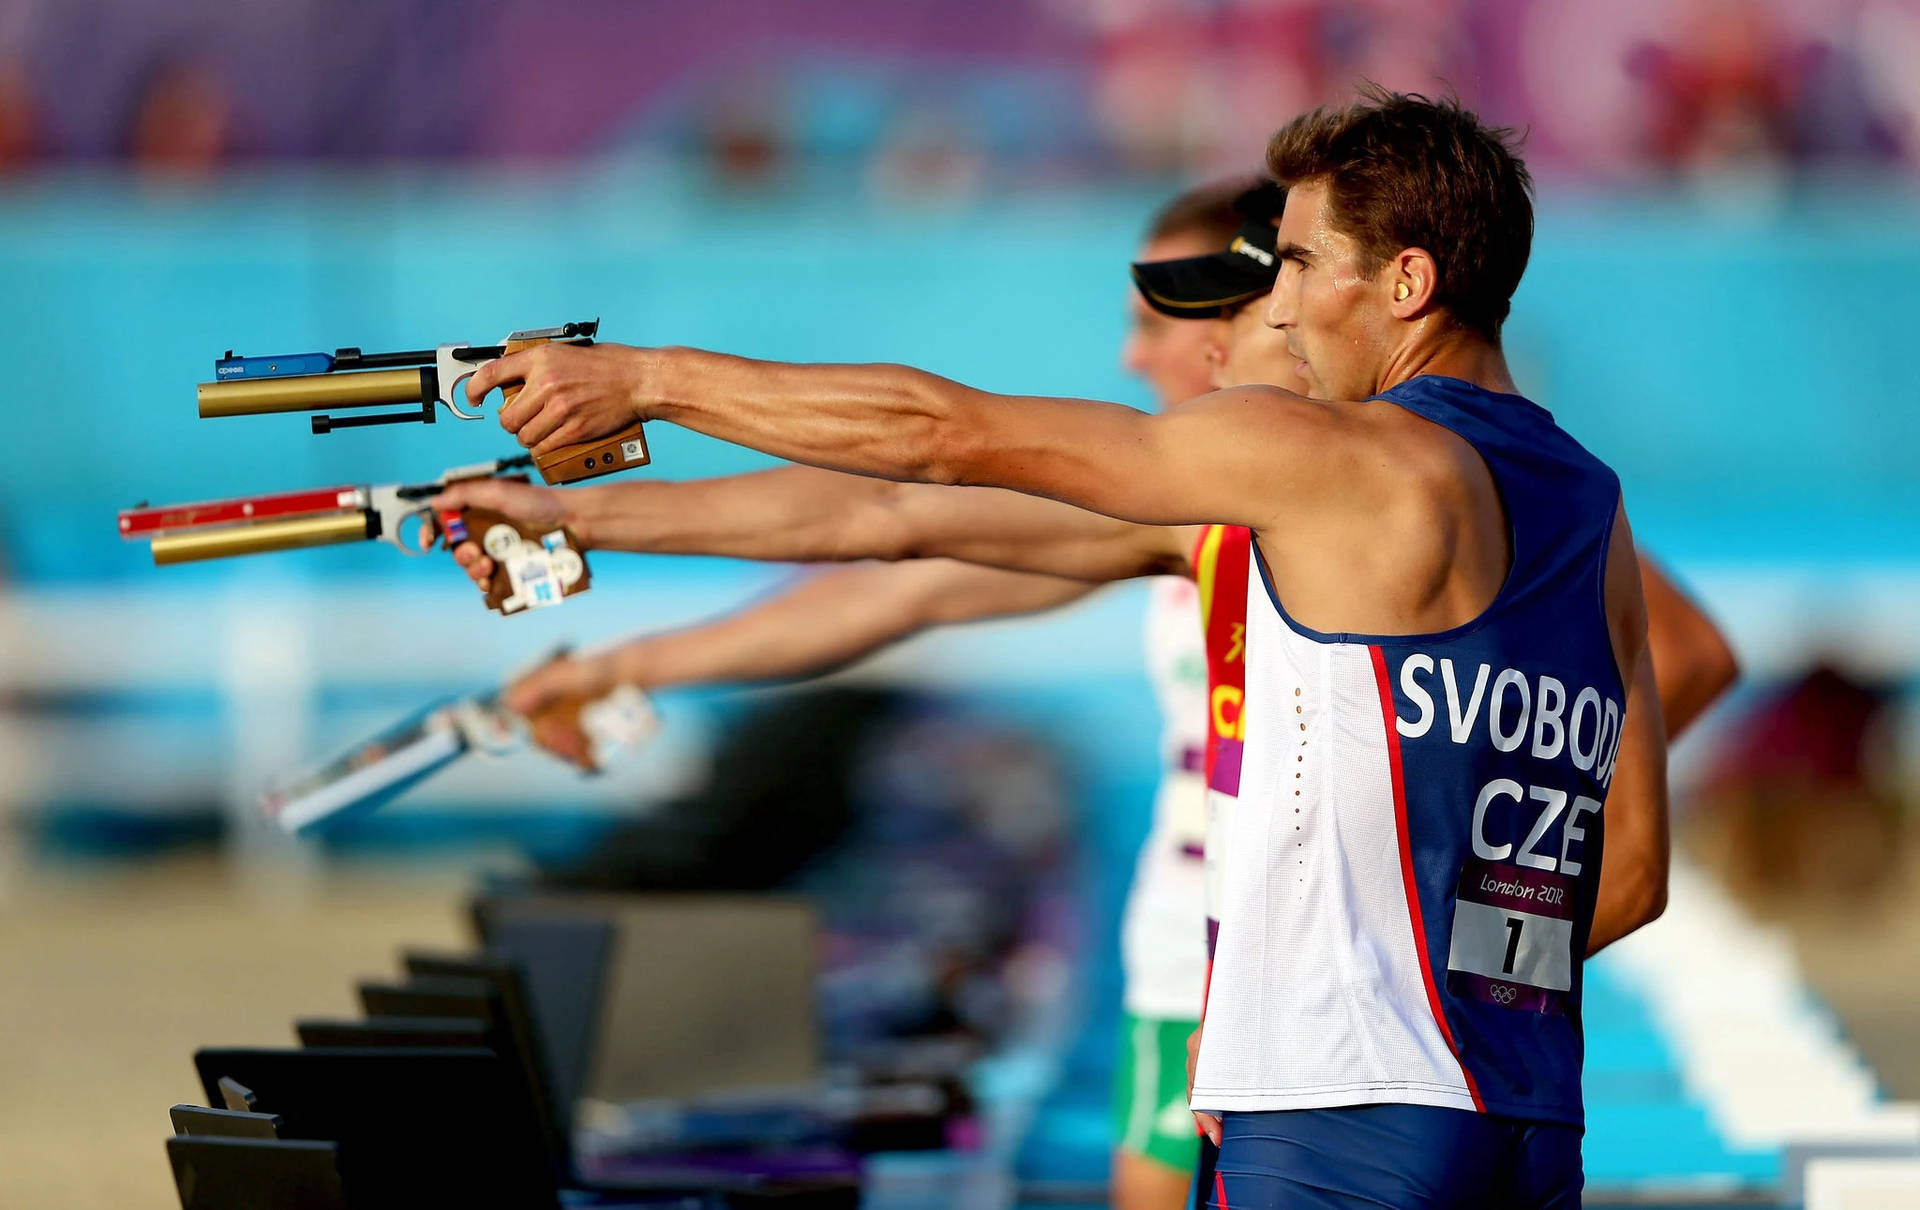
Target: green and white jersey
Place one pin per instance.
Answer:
(1163, 936)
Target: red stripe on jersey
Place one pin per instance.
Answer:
(1389, 717)
(1220, 1190)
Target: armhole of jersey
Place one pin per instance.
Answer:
(1600, 586)
(1511, 583)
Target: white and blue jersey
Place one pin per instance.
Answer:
(1411, 873)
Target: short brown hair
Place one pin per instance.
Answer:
(1204, 210)
(1407, 171)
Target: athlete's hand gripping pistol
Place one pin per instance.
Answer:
(406, 754)
(533, 567)
(349, 378)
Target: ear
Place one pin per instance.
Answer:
(1412, 281)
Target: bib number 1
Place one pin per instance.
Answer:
(1512, 939)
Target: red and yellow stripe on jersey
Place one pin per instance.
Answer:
(1220, 567)
(1220, 561)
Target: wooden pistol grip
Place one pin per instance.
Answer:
(592, 459)
(562, 713)
(586, 459)
(480, 522)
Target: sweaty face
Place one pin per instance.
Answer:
(1328, 302)
(1170, 355)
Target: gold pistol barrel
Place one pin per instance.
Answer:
(260, 537)
(308, 392)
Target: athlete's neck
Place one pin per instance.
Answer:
(1435, 345)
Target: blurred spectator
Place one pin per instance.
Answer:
(927, 156)
(19, 138)
(1884, 47)
(743, 138)
(1161, 86)
(1721, 88)
(1801, 800)
(1196, 88)
(182, 119)
(1187, 88)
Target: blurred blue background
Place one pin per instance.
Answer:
(1719, 302)
(1734, 356)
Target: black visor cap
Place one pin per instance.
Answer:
(1201, 287)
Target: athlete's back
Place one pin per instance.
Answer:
(1415, 540)
(1413, 862)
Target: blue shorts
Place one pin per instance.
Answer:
(1406, 1157)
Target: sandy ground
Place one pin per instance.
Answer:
(112, 974)
(1864, 961)
(1854, 919)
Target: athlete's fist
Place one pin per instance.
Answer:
(541, 695)
(535, 507)
(1208, 1123)
(568, 393)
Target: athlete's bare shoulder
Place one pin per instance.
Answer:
(1441, 499)
(1303, 456)
(1425, 457)
(1259, 404)
(1407, 534)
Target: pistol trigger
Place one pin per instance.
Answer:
(455, 408)
(394, 528)
(453, 373)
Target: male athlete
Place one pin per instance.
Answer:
(1458, 675)
(1446, 523)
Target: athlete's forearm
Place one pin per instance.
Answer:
(1192, 466)
(1634, 860)
(888, 421)
(802, 514)
(796, 514)
(829, 620)
(1005, 529)
(1691, 658)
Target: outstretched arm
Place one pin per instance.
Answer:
(1691, 659)
(800, 514)
(1225, 458)
(823, 622)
